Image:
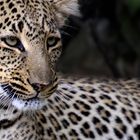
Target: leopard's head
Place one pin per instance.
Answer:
(30, 44)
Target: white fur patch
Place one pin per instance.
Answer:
(32, 104)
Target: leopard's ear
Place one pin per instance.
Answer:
(64, 8)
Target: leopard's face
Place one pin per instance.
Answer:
(30, 44)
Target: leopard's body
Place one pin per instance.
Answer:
(84, 109)
(32, 106)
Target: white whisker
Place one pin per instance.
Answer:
(69, 26)
(65, 33)
(11, 99)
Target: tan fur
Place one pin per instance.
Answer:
(34, 105)
(64, 8)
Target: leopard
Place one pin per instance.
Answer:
(36, 103)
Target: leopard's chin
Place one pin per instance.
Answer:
(29, 105)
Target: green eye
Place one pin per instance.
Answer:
(11, 41)
(52, 41)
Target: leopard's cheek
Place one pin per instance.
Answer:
(13, 73)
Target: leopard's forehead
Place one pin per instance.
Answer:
(34, 14)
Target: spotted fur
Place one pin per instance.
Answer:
(34, 105)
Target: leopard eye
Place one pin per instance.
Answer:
(13, 42)
(52, 41)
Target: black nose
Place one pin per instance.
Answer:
(38, 87)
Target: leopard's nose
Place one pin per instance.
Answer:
(39, 87)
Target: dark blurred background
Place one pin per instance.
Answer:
(105, 41)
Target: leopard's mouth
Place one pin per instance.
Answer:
(32, 103)
(15, 93)
(12, 92)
